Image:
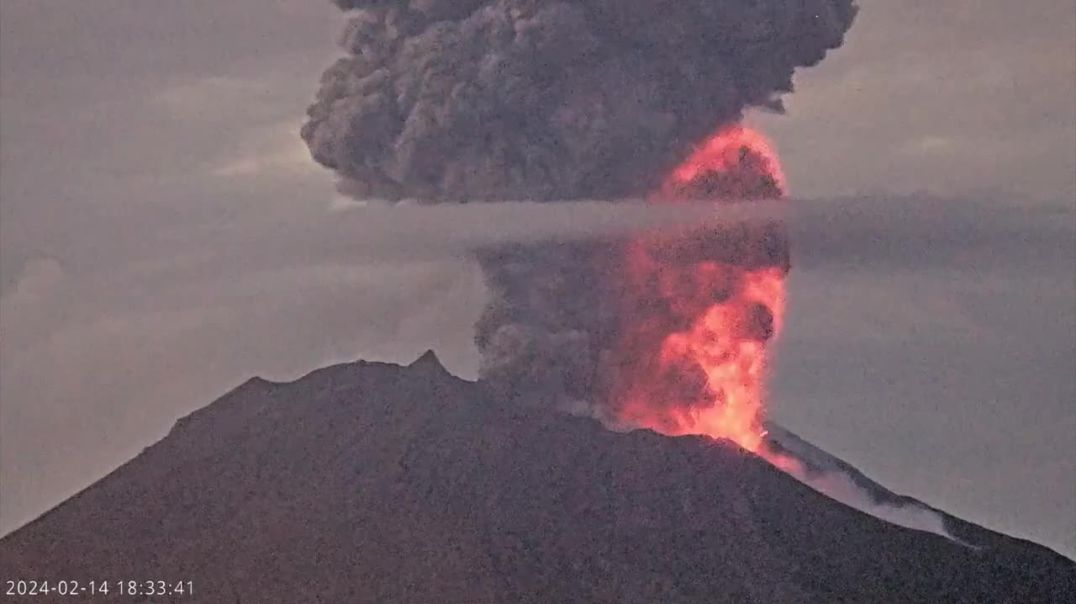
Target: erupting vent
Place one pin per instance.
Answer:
(698, 312)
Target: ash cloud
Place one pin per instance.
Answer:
(542, 100)
(548, 320)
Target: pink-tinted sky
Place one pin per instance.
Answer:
(151, 169)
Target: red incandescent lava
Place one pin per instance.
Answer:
(699, 310)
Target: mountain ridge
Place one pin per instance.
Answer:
(375, 482)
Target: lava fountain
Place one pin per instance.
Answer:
(699, 311)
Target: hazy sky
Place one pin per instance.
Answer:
(163, 236)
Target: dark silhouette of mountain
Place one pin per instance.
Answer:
(371, 482)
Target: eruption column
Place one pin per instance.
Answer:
(697, 312)
(545, 100)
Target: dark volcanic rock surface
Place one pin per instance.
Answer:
(369, 482)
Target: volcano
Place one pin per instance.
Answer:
(373, 482)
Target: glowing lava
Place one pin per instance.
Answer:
(699, 311)
(736, 163)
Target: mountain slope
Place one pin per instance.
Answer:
(370, 482)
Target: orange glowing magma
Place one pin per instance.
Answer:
(742, 155)
(692, 352)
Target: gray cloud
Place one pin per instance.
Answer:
(881, 232)
(512, 99)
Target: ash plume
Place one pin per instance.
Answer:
(548, 319)
(546, 100)
(541, 100)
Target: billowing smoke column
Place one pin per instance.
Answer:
(461, 100)
(543, 99)
(665, 332)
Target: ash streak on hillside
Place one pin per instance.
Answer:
(591, 99)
